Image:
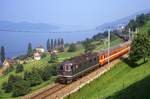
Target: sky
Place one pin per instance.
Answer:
(90, 13)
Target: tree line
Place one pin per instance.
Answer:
(138, 22)
(140, 46)
(51, 44)
(55, 44)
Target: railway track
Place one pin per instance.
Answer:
(48, 92)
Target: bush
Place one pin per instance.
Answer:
(53, 59)
(43, 55)
(54, 70)
(20, 88)
(49, 71)
(72, 48)
(34, 77)
(46, 75)
(8, 86)
(19, 68)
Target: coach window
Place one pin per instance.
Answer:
(95, 59)
(90, 60)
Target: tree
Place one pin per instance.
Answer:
(55, 43)
(2, 54)
(140, 47)
(59, 42)
(141, 19)
(47, 73)
(62, 47)
(62, 41)
(54, 69)
(72, 48)
(34, 77)
(30, 50)
(20, 88)
(52, 44)
(132, 25)
(8, 86)
(19, 68)
(88, 46)
(54, 58)
(48, 45)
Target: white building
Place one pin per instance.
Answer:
(37, 56)
(40, 49)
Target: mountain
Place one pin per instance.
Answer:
(121, 22)
(26, 26)
(38, 27)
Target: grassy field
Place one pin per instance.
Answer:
(117, 84)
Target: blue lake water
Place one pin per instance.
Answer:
(15, 43)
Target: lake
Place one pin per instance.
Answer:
(16, 43)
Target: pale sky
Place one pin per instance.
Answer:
(90, 13)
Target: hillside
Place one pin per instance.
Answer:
(45, 62)
(123, 21)
(125, 81)
(118, 84)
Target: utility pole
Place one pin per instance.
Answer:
(136, 32)
(108, 46)
(129, 37)
(129, 34)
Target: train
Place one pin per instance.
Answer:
(71, 69)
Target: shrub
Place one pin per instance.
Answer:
(34, 77)
(19, 68)
(46, 75)
(20, 88)
(8, 86)
(72, 48)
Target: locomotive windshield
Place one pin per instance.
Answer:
(67, 66)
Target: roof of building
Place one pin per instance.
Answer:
(9, 60)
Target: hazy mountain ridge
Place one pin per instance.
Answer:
(26, 26)
(39, 27)
(123, 21)
(45, 27)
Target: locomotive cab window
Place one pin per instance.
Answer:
(67, 68)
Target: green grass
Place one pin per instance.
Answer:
(117, 79)
(145, 28)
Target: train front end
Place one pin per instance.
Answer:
(65, 73)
